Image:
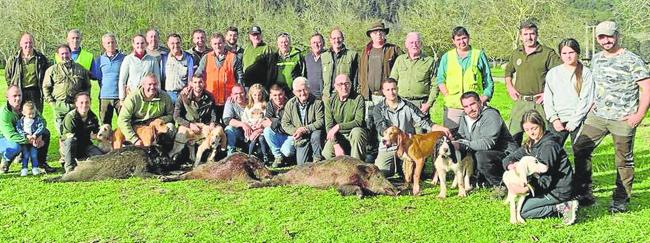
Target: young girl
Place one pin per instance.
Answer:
(254, 114)
(31, 125)
(553, 189)
(568, 93)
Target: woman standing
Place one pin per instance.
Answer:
(568, 93)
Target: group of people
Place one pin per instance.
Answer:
(285, 105)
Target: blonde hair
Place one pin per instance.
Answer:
(259, 88)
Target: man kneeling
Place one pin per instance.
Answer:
(78, 125)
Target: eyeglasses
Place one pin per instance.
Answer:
(343, 84)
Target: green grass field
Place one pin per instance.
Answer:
(148, 210)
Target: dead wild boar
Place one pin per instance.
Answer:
(119, 164)
(236, 167)
(349, 175)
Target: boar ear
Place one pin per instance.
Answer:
(368, 169)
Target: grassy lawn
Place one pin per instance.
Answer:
(147, 210)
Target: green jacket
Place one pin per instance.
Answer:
(347, 114)
(282, 71)
(291, 119)
(531, 68)
(8, 120)
(344, 62)
(14, 69)
(63, 81)
(415, 78)
(255, 62)
(136, 110)
(74, 126)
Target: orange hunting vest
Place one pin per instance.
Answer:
(220, 80)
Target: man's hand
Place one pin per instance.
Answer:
(139, 143)
(266, 122)
(442, 129)
(512, 166)
(514, 94)
(299, 132)
(338, 150)
(38, 142)
(484, 99)
(247, 129)
(185, 91)
(425, 108)
(517, 188)
(539, 98)
(195, 128)
(557, 124)
(634, 119)
(443, 89)
(332, 132)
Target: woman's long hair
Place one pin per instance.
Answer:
(573, 44)
(532, 116)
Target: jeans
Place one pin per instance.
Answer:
(9, 149)
(279, 143)
(235, 136)
(30, 152)
(173, 95)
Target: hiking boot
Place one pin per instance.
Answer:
(23, 172)
(36, 171)
(277, 162)
(618, 206)
(47, 168)
(568, 211)
(586, 200)
(499, 192)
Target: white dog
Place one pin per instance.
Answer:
(105, 138)
(450, 159)
(518, 188)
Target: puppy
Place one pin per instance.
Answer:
(105, 138)
(450, 159)
(412, 150)
(147, 133)
(208, 139)
(517, 183)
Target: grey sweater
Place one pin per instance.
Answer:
(489, 132)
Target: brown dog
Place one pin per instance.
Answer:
(210, 139)
(148, 133)
(412, 150)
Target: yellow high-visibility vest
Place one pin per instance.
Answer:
(459, 81)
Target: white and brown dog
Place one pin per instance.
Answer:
(517, 183)
(105, 138)
(208, 139)
(450, 159)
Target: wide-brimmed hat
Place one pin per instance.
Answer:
(377, 26)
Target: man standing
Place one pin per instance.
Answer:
(280, 143)
(461, 70)
(10, 139)
(78, 125)
(106, 70)
(176, 67)
(314, 66)
(344, 121)
(375, 64)
(336, 61)
(531, 62)
(622, 98)
(286, 64)
(255, 59)
(232, 118)
(62, 82)
(232, 35)
(221, 70)
(26, 70)
(414, 72)
(200, 48)
(303, 120)
(484, 134)
(395, 111)
(78, 55)
(153, 44)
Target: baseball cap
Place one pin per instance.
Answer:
(255, 30)
(606, 28)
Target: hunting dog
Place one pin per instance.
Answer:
(412, 150)
(148, 133)
(517, 183)
(450, 159)
(209, 138)
(105, 138)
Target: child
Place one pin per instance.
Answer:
(254, 116)
(30, 125)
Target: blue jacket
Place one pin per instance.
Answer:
(37, 128)
(107, 73)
